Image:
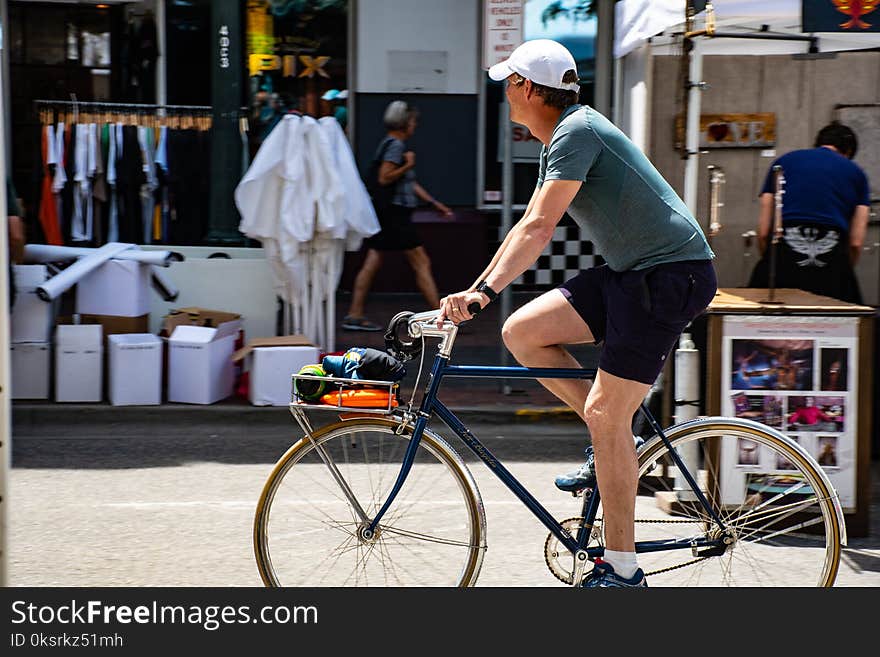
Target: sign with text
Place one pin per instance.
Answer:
(502, 29)
(738, 130)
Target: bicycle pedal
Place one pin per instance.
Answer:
(581, 491)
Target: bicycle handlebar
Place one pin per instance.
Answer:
(429, 315)
(428, 324)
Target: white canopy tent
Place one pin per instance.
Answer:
(742, 27)
(636, 21)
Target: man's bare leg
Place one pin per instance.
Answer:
(534, 335)
(608, 412)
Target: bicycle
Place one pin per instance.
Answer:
(378, 499)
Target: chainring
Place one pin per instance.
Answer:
(557, 557)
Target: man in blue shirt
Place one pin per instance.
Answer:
(825, 208)
(658, 276)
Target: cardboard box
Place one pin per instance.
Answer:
(112, 324)
(135, 369)
(30, 369)
(32, 318)
(200, 367)
(79, 363)
(118, 287)
(194, 316)
(272, 362)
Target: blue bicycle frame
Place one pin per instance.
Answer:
(432, 406)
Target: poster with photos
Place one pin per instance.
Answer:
(796, 374)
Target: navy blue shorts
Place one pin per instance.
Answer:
(638, 315)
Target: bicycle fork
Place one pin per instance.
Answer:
(424, 414)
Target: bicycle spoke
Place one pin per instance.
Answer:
(778, 535)
(428, 535)
(425, 537)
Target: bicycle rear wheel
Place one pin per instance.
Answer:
(784, 518)
(308, 530)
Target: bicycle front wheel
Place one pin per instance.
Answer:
(783, 525)
(309, 527)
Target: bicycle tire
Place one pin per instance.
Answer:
(307, 533)
(787, 523)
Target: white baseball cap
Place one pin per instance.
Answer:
(542, 61)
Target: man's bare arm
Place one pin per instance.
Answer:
(506, 242)
(858, 228)
(533, 233)
(766, 207)
(520, 249)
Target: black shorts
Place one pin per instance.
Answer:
(637, 316)
(398, 231)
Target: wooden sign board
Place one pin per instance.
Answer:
(732, 130)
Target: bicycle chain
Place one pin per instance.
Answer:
(653, 572)
(682, 565)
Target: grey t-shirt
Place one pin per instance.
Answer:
(625, 207)
(403, 192)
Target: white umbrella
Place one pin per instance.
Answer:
(304, 201)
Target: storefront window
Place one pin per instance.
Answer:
(296, 57)
(58, 51)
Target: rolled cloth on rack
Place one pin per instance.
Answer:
(39, 253)
(163, 285)
(57, 285)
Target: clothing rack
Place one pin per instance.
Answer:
(121, 172)
(177, 116)
(132, 106)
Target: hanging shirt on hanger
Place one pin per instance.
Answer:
(48, 214)
(99, 189)
(113, 214)
(81, 220)
(60, 178)
(160, 224)
(148, 201)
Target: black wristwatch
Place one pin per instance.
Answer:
(483, 287)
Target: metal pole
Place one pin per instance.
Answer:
(4, 62)
(506, 225)
(775, 232)
(692, 143)
(5, 428)
(162, 63)
(604, 57)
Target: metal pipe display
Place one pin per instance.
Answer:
(42, 253)
(58, 285)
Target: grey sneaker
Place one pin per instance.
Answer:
(350, 323)
(585, 476)
(603, 577)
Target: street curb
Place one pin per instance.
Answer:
(36, 414)
(553, 413)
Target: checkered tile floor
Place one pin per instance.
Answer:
(565, 256)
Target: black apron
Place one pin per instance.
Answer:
(811, 257)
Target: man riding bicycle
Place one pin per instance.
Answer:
(658, 276)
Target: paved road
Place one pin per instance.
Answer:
(157, 505)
